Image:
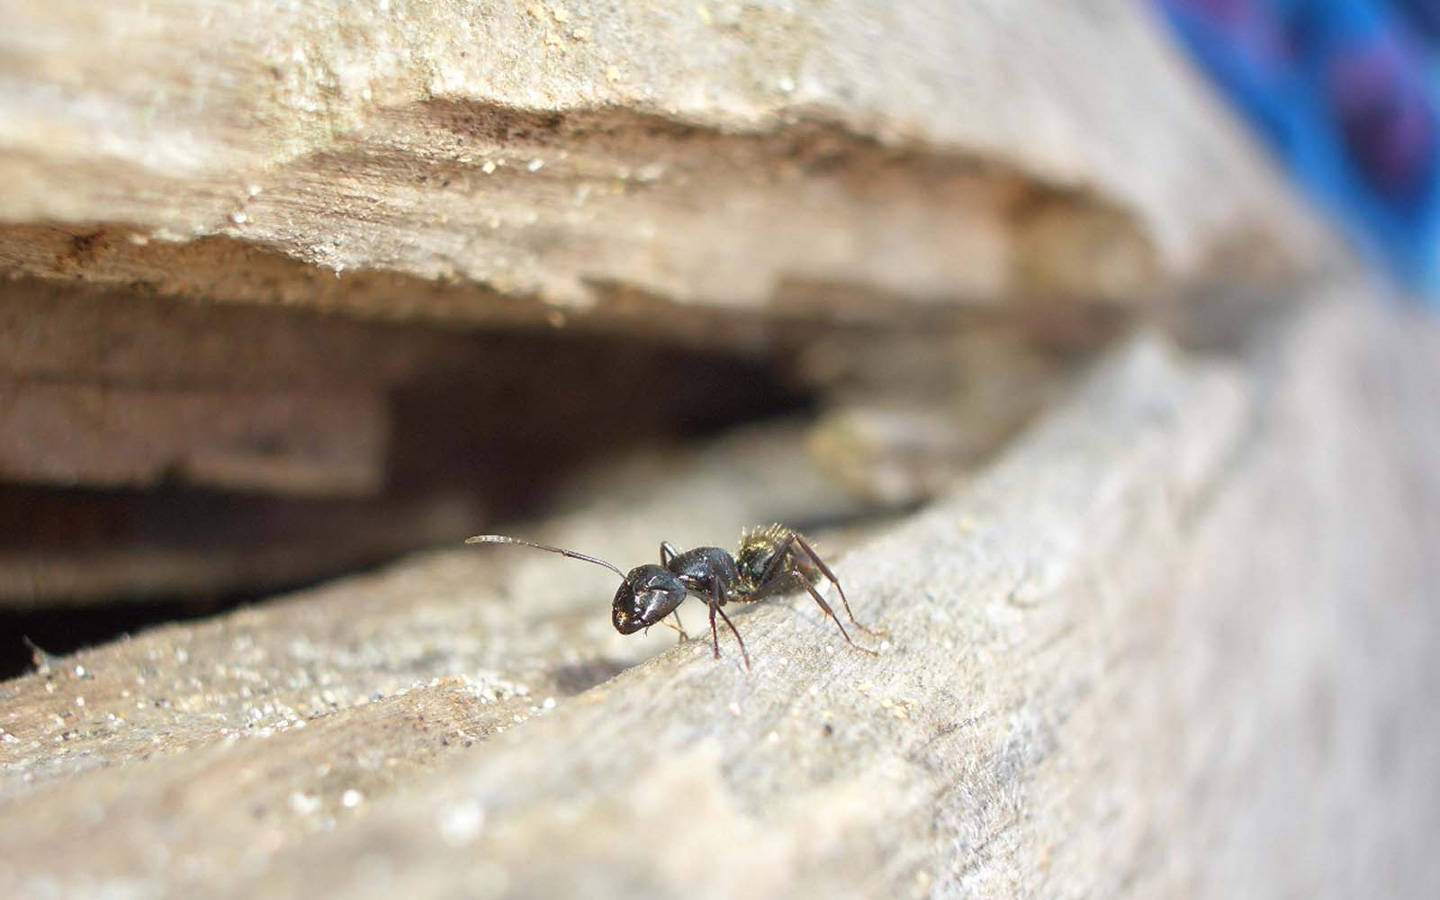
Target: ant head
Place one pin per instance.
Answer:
(649, 594)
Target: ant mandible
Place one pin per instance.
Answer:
(769, 561)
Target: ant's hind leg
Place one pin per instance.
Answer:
(831, 613)
(830, 576)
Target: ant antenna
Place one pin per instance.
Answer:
(502, 539)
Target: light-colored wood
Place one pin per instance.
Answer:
(1175, 642)
(623, 165)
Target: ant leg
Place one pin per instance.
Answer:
(714, 635)
(679, 625)
(825, 570)
(738, 639)
(715, 608)
(830, 612)
(781, 554)
(667, 553)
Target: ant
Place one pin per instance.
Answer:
(769, 561)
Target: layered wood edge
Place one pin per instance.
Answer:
(501, 165)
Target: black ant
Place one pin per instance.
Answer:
(770, 561)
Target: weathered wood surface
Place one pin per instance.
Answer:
(1175, 642)
(753, 159)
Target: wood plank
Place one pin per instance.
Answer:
(633, 168)
(1174, 642)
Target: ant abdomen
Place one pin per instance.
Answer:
(756, 556)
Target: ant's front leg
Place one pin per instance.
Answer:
(667, 553)
(678, 626)
(715, 601)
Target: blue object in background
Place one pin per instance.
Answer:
(1346, 92)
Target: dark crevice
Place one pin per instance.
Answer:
(490, 434)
